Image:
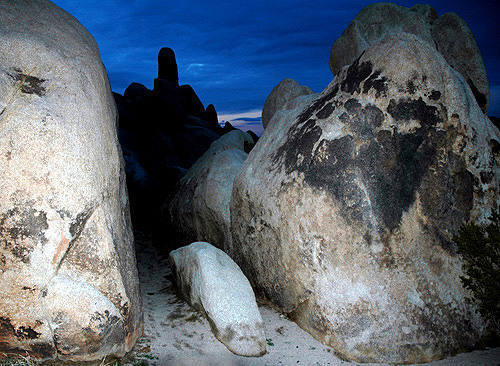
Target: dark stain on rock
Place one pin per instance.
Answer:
(18, 224)
(43, 350)
(301, 140)
(392, 168)
(406, 109)
(352, 106)
(318, 105)
(326, 111)
(26, 333)
(448, 191)
(375, 115)
(410, 87)
(7, 330)
(29, 84)
(435, 95)
(331, 170)
(3, 262)
(356, 73)
(486, 177)
(377, 82)
(480, 97)
(79, 222)
(362, 121)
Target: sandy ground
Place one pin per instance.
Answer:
(177, 335)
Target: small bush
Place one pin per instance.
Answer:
(480, 250)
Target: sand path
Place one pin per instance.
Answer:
(175, 334)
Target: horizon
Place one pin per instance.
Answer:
(234, 61)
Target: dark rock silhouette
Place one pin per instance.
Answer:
(167, 65)
(254, 136)
(136, 90)
(495, 120)
(163, 132)
(228, 127)
(210, 115)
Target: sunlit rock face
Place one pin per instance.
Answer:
(344, 212)
(68, 276)
(448, 34)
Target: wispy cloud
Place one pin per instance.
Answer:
(246, 48)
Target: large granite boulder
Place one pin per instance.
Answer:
(212, 283)
(68, 276)
(343, 214)
(449, 34)
(199, 209)
(285, 91)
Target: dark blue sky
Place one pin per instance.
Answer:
(233, 53)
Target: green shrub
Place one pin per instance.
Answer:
(480, 250)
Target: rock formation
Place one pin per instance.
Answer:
(199, 209)
(449, 34)
(212, 283)
(163, 132)
(167, 66)
(344, 212)
(68, 276)
(286, 90)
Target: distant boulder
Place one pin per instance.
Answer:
(285, 91)
(228, 127)
(254, 136)
(212, 283)
(199, 208)
(449, 34)
(210, 115)
(343, 215)
(135, 90)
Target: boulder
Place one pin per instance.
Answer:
(210, 115)
(191, 103)
(68, 276)
(449, 34)
(199, 209)
(192, 142)
(343, 215)
(285, 91)
(135, 90)
(254, 136)
(228, 127)
(456, 43)
(212, 283)
(167, 66)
